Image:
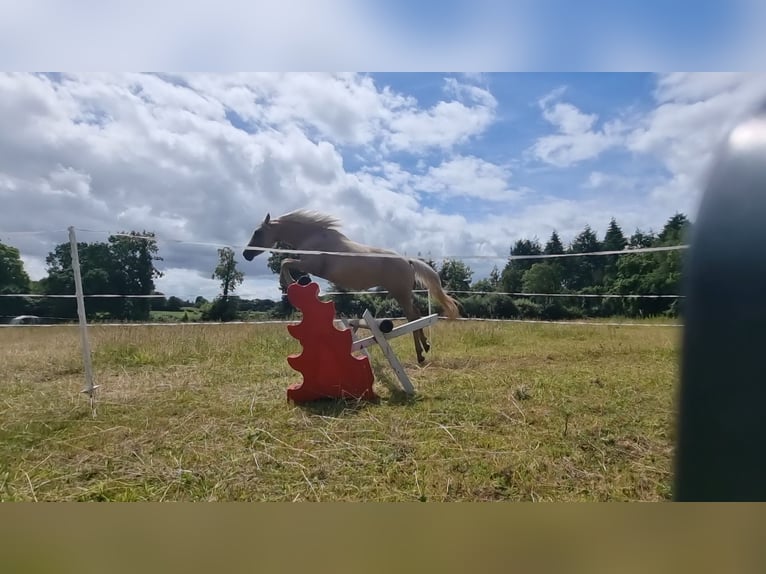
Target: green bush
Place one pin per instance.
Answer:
(220, 310)
(528, 309)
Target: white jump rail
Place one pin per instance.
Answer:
(380, 338)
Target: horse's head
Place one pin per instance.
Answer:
(263, 236)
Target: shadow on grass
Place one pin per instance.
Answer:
(400, 398)
(338, 407)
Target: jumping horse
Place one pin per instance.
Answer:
(313, 231)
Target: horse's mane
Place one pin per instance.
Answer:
(307, 217)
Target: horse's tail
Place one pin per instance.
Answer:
(430, 278)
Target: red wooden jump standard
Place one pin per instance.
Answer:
(328, 367)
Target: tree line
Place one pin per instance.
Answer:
(563, 280)
(123, 264)
(126, 264)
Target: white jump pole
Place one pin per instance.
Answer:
(90, 388)
(430, 312)
(421, 323)
(380, 338)
(349, 325)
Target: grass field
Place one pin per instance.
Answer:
(504, 411)
(192, 314)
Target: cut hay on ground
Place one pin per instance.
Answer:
(503, 412)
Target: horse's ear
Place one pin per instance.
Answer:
(267, 219)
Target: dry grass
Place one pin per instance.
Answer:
(503, 412)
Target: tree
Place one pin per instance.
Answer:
(584, 272)
(494, 278)
(98, 271)
(345, 303)
(123, 265)
(558, 265)
(670, 263)
(13, 279)
(159, 303)
(455, 275)
(641, 239)
(541, 278)
(510, 279)
(614, 240)
(653, 273)
(134, 254)
(484, 285)
(675, 230)
(227, 273)
(490, 283)
(222, 308)
(554, 245)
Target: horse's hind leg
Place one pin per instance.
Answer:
(411, 312)
(420, 334)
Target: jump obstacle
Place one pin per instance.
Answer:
(329, 368)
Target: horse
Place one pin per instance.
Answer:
(313, 231)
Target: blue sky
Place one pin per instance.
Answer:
(392, 35)
(441, 164)
(566, 35)
(698, 23)
(518, 123)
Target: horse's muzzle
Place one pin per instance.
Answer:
(250, 253)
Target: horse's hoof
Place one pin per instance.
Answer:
(304, 280)
(421, 360)
(426, 347)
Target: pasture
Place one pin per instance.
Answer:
(504, 412)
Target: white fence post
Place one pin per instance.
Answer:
(89, 386)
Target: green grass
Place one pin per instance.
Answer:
(199, 412)
(192, 313)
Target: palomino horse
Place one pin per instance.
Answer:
(311, 231)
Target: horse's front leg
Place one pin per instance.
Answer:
(285, 277)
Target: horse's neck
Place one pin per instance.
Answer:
(297, 234)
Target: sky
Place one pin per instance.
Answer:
(436, 164)
(383, 35)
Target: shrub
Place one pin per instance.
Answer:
(528, 309)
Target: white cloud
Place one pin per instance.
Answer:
(576, 139)
(681, 134)
(291, 34)
(445, 124)
(611, 181)
(116, 152)
(349, 109)
(34, 266)
(68, 181)
(693, 115)
(470, 177)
